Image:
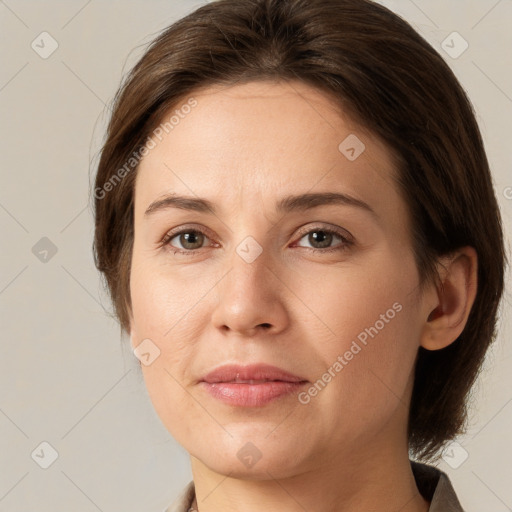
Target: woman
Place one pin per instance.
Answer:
(288, 218)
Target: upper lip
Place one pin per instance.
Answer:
(258, 372)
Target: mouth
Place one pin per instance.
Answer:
(253, 381)
(252, 374)
(251, 386)
(252, 393)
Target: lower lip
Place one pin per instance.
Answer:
(251, 395)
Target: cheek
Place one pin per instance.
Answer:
(170, 311)
(166, 312)
(369, 314)
(349, 298)
(161, 298)
(157, 314)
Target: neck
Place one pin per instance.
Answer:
(346, 482)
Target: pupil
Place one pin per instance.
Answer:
(189, 239)
(324, 238)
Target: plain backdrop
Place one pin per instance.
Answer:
(66, 377)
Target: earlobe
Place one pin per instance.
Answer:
(455, 295)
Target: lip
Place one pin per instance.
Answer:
(257, 372)
(267, 383)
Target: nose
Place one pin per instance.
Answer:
(251, 298)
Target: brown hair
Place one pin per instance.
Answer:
(391, 81)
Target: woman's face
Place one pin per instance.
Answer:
(249, 287)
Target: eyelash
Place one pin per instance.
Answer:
(345, 244)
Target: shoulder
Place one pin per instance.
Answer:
(435, 486)
(183, 502)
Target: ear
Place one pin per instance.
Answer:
(451, 299)
(131, 328)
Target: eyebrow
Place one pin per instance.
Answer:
(288, 204)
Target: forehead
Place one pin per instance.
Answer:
(261, 139)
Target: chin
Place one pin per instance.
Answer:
(251, 456)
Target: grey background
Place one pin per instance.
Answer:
(66, 377)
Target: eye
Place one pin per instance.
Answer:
(190, 240)
(322, 238)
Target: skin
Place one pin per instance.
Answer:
(244, 147)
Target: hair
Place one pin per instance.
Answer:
(380, 71)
